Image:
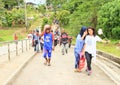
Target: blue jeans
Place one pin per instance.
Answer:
(77, 57)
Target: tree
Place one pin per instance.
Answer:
(56, 4)
(9, 4)
(14, 16)
(63, 18)
(1, 11)
(41, 9)
(83, 12)
(109, 18)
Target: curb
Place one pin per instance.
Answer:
(112, 75)
(109, 56)
(15, 74)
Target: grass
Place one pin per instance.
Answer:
(109, 48)
(35, 24)
(8, 34)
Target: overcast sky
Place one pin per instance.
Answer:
(36, 1)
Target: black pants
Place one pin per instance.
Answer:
(41, 45)
(89, 60)
(55, 42)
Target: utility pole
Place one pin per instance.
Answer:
(25, 16)
(46, 5)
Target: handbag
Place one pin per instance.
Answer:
(81, 61)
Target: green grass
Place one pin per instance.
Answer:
(109, 48)
(35, 24)
(6, 35)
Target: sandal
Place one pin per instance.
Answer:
(49, 64)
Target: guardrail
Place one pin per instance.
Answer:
(14, 47)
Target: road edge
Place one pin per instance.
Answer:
(15, 74)
(111, 74)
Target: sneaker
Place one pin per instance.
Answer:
(89, 73)
(77, 70)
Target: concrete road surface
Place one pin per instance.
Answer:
(61, 72)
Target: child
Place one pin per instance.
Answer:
(90, 47)
(48, 44)
(64, 41)
(79, 46)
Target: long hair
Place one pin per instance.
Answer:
(94, 32)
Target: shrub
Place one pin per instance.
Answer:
(116, 33)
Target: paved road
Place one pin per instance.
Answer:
(61, 72)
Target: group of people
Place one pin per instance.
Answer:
(48, 40)
(85, 45)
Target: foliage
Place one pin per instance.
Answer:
(72, 5)
(62, 17)
(9, 4)
(2, 10)
(45, 21)
(42, 9)
(109, 18)
(14, 17)
(87, 13)
(116, 33)
(1, 7)
(55, 5)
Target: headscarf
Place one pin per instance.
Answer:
(83, 29)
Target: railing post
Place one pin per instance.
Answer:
(16, 47)
(22, 46)
(29, 44)
(26, 45)
(8, 52)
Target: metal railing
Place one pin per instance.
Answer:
(14, 48)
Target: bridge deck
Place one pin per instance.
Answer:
(61, 72)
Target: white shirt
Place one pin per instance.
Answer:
(90, 42)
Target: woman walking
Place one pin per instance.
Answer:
(90, 47)
(79, 46)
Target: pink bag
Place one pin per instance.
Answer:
(81, 61)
